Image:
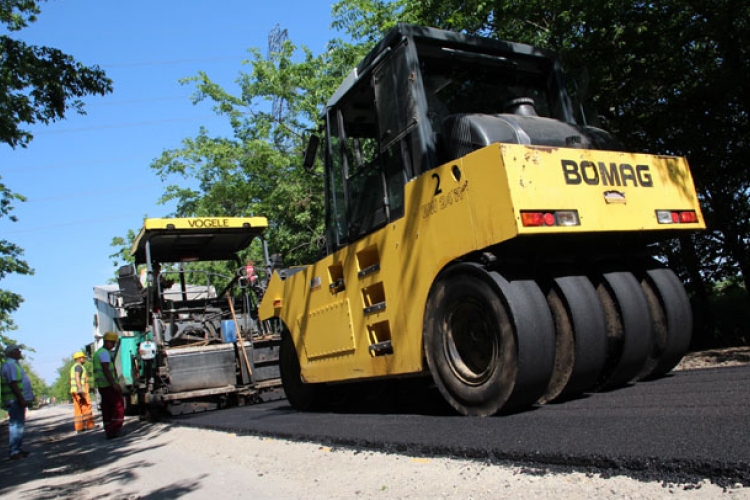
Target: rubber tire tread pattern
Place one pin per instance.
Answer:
(301, 396)
(589, 327)
(491, 395)
(636, 324)
(679, 318)
(535, 338)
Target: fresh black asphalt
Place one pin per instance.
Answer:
(689, 426)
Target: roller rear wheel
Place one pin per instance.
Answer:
(489, 342)
(672, 319)
(629, 328)
(469, 342)
(581, 341)
(535, 338)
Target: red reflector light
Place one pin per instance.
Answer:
(532, 218)
(687, 217)
(676, 216)
(550, 218)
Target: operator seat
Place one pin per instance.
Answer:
(131, 290)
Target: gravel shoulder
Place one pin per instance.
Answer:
(713, 358)
(163, 461)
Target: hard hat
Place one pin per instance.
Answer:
(78, 354)
(111, 336)
(12, 348)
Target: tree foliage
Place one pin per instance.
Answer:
(11, 262)
(37, 384)
(257, 171)
(37, 85)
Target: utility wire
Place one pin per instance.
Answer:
(124, 125)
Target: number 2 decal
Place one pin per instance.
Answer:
(437, 184)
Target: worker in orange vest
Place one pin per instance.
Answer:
(83, 416)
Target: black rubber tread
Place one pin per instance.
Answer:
(672, 318)
(301, 396)
(581, 346)
(535, 339)
(564, 346)
(464, 310)
(629, 328)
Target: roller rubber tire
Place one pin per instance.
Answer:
(535, 339)
(581, 345)
(629, 328)
(469, 342)
(672, 321)
(301, 396)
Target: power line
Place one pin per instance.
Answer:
(98, 103)
(90, 193)
(124, 125)
(76, 163)
(167, 62)
(77, 223)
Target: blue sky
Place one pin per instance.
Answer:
(88, 178)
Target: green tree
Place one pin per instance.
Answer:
(37, 383)
(60, 388)
(37, 85)
(122, 246)
(257, 171)
(10, 262)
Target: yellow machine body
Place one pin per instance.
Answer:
(359, 312)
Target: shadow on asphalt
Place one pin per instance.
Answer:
(59, 458)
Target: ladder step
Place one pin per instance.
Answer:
(375, 308)
(382, 348)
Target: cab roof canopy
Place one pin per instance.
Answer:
(195, 238)
(441, 43)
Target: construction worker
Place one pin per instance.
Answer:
(105, 377)
(83, 416)
(17, 395)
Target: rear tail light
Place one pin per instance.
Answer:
(531, 218)
(676, 216)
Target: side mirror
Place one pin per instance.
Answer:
(311, 152)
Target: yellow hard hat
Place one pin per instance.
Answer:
(111, 336)
(78, 354)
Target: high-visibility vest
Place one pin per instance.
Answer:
(5, 389)
(84, 379)
(99, 379)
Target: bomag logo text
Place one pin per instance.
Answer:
(208, 223)
(606, 174)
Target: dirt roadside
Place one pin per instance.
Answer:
(159, 461)
(713, 358)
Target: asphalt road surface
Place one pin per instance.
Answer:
(692, 424)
